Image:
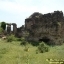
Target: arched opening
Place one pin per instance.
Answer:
(11, 27)
(47, 40)
(6, 28)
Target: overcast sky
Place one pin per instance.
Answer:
(16, 11)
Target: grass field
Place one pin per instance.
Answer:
(13, 53)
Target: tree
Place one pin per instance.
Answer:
(3, 25)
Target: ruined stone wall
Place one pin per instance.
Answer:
(14, 28)
(8, 28)
(48, 25)
(20, 31)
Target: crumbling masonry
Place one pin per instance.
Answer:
(9, 28)
(48, 27)
(41, 27)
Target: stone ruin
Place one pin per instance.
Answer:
(46, 27)
(9, 28)
(41, 27)
(18, 32)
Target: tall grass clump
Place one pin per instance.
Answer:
(43, 47)
(11, 38)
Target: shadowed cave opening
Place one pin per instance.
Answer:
(45, 39)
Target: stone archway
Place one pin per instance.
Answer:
(11, 28)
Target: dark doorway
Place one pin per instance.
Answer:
(45, 39)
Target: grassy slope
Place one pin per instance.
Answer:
(13, 53)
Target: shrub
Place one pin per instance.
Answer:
(34, 43)
(11, 38)
(43, 47)
(18, 39)
(1, 30)
(3, 25)
(23, 41)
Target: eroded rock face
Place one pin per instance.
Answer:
(48, 25)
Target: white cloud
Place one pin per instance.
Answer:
(16, 7)
(21, 6)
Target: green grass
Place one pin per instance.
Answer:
(13, 53)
